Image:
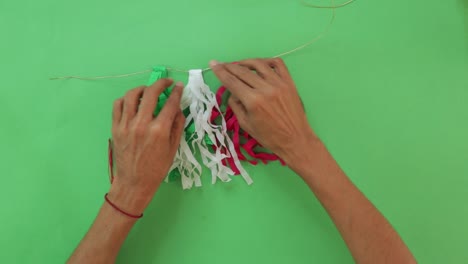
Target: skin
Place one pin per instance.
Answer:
(267, 105)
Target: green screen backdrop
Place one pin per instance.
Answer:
(386, 90)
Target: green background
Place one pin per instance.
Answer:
(386, 90)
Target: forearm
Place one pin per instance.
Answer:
(142, 150)
(366, 232)
(105, 237)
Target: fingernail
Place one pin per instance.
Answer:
(213, 63)
(180, 84)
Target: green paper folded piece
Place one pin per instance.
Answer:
(160, 72)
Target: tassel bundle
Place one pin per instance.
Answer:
(250, 145)
(201, 135)
(201, 101)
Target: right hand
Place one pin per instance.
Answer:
(267, 105)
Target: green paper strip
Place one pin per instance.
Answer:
(190, 130)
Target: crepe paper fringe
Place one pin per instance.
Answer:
(186, 165)
(201, 102)
(238, 135)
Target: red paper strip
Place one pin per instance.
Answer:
(238, 135)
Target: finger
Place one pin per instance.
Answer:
(117, 111)
(239, 110)
(247, 76)
(150, 98)
(280, 68)
(172, 107)
(131, 103)
(234, 102)
(262, 67)
(231, 82)
(178, 127)
(303, 105)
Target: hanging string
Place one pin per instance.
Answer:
(113, 76)
(319, 36)
(333, 7)
(100, 77)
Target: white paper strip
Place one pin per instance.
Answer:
(200, 101)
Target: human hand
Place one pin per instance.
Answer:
(267, 105)
(144, 146)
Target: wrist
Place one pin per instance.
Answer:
(311, 159)
(130, 200)
(298, 152)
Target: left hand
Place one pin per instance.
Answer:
(144, 146)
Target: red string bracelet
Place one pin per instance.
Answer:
(120, 210)
(110, 161)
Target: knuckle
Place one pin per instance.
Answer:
(156, 129)
(161, 84)
(134, 92)
(242, 70)
(233, 100)
(255, 103)
(131, 91)
(117, 103)
(261, 62)
(219, 69)
(229, 79)
(176, 93)
(129, 94)
(279, 61)
(245, 69)
(253, 62)
(230, 67)
(164, 81)
(273, 94)
(138, 130)
(181, 116)
(249, 61)
(121, 132)
(170, 106)
(115, 129)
